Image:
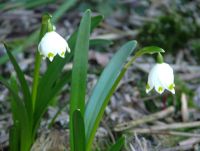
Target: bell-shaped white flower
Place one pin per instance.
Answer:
(52, 44)
(161, 77)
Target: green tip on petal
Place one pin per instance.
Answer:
(171, 86)
(62, 54)
(50, 56)
(160, 89)
(147, 86)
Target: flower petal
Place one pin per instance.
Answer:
(159, 89)
(51, 56)
(166, 75)
(171, 88)
(161, 77)
(148, 88)
(62, 53)
(53, 43)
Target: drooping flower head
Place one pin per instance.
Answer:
(52, 44)
(161, 77)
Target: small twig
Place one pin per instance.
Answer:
(178, 148)
(184, 145)
(114, 36)
(190, 141)
(111, 28)
(167, 127)
(190, 76)
(152, 97)
(184, 108)
(149, 118)
(164, 132)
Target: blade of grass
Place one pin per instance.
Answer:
(118, 145)
(79, 131)
(63, 8)
(30, 4)
(79, 71)
(103, 91)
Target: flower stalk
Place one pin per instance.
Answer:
(159, 58)
(46, 26)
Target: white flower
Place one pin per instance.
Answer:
(52, 44)
(161, 77)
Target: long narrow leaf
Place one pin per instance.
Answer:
(14, 109)
(80, 65)
(23, 83)
(14, 137)
(25, 127)
(78, 131)
(79, 71)
(103, 91)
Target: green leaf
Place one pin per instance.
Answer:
(79, 71)
(80, 65)
(22, 115)
(95, 21)
(78, 131)
(14, 137)
(23, 83)
(14, 109)
(118, 145)
(103, 90)
(96, 42)
(54, 72)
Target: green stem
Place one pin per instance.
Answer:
(145, 50)
(46, 26)
(36, 77)
(159, 58)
